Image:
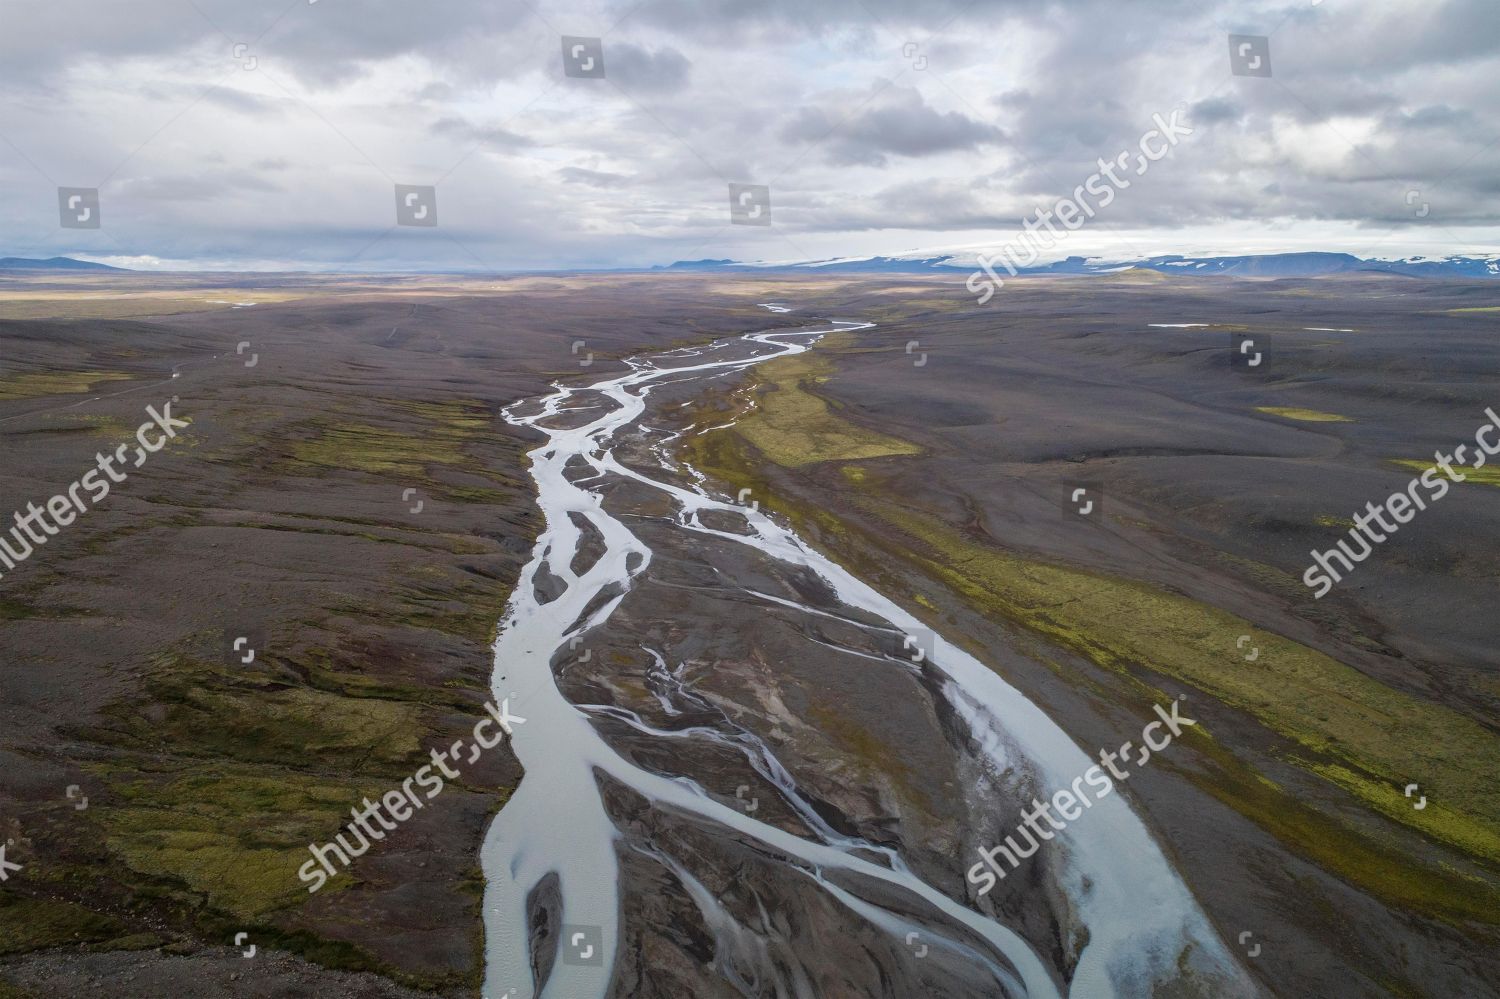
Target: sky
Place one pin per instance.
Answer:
(271, 134)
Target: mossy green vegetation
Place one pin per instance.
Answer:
(324, 671)
(1384, 870)
(736, 464)
(227, 811)
(794, 426)
(17, 610)
(34, 923)
(1303, 415)
(82, 424)
(457, 416)
(430, 437)
(212, 714)
(35, 384)
(236, 837)
(455, 603)
(853, 473)
(29, 604)
(1330, 709)
(228, 815)
(217, 781)
(1489, 475)
(359, 447)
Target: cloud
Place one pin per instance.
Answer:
(201, 185)
(493, 136)
(593, 178)
(644, 70)
(902, 125)
(870, 120)
(1214, 111)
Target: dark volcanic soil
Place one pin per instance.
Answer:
(353, 506)
(1213, 483)
(347, 499)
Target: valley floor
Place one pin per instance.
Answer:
(355, 505)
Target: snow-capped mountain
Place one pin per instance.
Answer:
(1271, 265)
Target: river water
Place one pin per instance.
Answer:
(1138, 914)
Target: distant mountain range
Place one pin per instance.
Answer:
(1271, 265)
(53, 264)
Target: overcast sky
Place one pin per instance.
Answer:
(271, 133)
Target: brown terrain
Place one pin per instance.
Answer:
(1287, 811)
(282, 515)
(934, 456)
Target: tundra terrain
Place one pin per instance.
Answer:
(353, 497)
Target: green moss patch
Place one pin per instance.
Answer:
(236, 838)
(1303, 415)
(35, 384)
(28, 924)
(412, 457)
(793, 426)
(1489, 475)
(1383, 870)
(1369, 730)
(229, 814)
(358, 447)
(457, 416)
(203, 713)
